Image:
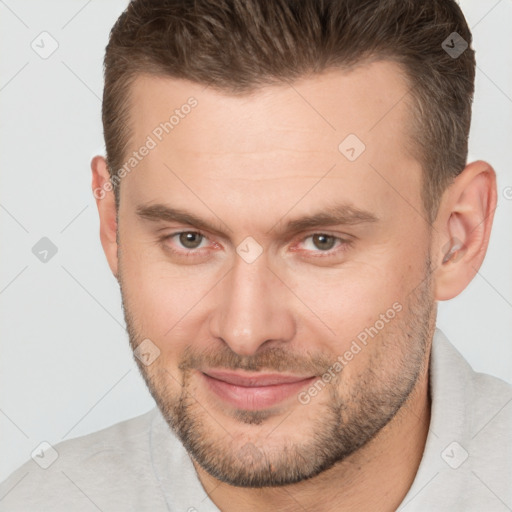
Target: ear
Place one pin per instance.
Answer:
(105, 201)
(462, 229)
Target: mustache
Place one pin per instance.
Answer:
(273, 358)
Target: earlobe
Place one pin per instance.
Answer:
(462, 229)
(105, 201)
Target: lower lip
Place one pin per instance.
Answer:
(255, 397)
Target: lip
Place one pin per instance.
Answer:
(253, 391)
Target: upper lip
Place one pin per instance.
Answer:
(255, 379)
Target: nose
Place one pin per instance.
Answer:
(254, 308)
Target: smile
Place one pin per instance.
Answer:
(253, 391)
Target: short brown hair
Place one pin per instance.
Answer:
(239, 45)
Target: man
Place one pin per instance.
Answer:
(285, 197)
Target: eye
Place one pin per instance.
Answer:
(323, 245)
(189, 239)
(185, 242)
(322, 241)
(189, 247)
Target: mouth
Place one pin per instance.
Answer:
(254, 391)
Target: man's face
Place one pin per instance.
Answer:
(298, 296)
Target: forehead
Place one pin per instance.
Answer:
(368, 98)
(278, 139)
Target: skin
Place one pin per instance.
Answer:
(249, 165)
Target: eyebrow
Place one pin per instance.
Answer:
(161, 212)
(342, 214)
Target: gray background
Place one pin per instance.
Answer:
(65, 366)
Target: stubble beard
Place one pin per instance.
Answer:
(342, 424)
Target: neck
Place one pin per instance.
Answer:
(376, 477)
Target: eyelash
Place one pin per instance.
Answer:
(343, 244)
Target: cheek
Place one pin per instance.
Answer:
(349, 296)
(368, 293)
(165, 301)
(160, 299)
